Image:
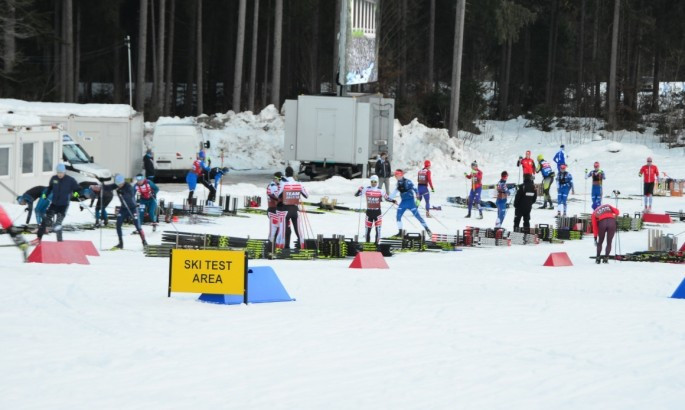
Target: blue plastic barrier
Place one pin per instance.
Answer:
(263, 286)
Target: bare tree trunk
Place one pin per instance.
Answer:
(169, 81)
(10, 47)
(63, 56)
(336, 46)
(57, 52)
(118, 80)
(507, 77)
(239, 49)
(551, 47)
(314, 86)
(142, 55)
(155, 80)
(161, 29)
(403, 50)
(595, 64)
(267, 52)
(431, 46)
(253, 56)
(580, 91)
(655, 79)
(525, 92)
(276, 70)
(69, 43)
(77, 57)
(612, 71)
(191, 64)
(198, 37)
(456, 66)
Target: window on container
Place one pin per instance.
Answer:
(27, 158)
(48, 156)
(4, 161)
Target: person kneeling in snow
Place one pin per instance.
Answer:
(409, 196)
(604, 224)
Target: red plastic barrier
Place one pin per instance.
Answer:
(656, 218)
(369, 260)
(63, 252)
(558, 259)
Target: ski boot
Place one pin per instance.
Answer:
(120, 245)
(598, 260)
(480, 214)
(154, 227)
(468, 215)
(544, 205)
(605, 260)
(144, 243)
(428, 215)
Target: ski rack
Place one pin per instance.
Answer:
(651, 256)
(658, 242)
(522, 237)
(678, 216)
(250, 201)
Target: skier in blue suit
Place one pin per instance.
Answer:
(565, 181)
(409, 196)
(560, 158)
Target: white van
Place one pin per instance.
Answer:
(175, 147)
(80, 165)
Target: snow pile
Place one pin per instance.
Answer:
(19, 120)
(65, 109)
(414, 143)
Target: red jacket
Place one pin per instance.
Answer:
(649, 172)
(425, 178)
(528, 166)
(603, 211)
(477, 180)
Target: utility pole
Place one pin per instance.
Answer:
(456, 67)
(127, 41)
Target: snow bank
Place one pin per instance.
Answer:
(65, 109)
(19, 120)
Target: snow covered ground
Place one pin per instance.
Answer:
(478, 328)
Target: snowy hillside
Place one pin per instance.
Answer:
(476, 328)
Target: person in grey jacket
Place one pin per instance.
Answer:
(384, 172)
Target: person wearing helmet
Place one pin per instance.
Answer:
(127, 210)
(501, 202)
(62, 187)
(560, 158)
(374, 196)
(547, 179)
(409, 200)
(476, 177)
(197, 173)
(28, 198)
(276, 211)
(212, 179)
(604, 224)
(424, 180)
(565, 182)
(650, 173)
(598, 176)
(528, 166)
(147, 194)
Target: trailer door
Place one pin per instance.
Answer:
(325, 133)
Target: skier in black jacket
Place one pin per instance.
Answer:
(28, 198)
(149, 165)
(128, 208)
(63, 188)
(523, 203)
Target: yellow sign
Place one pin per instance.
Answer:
(217, 272)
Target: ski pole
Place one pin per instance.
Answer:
(359, 219)
(585, 192)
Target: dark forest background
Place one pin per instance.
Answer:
(538, 58)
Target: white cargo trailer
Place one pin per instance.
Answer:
(28, 156)
(111, 133)
(338, 135)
